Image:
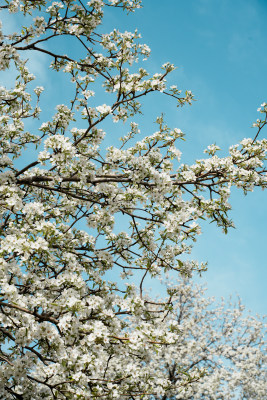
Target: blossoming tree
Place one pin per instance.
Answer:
(66, 331)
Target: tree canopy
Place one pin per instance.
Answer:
(82, 209)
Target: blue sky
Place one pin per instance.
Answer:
(219, 47)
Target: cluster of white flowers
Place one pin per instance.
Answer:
(72, 323)
(104, 109)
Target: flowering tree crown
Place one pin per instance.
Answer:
(67, 332)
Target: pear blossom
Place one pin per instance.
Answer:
(104, 109)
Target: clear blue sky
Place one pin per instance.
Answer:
(219, 47)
